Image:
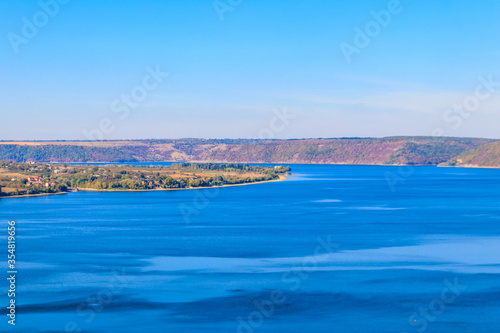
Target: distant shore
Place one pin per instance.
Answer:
(469, 166)
(281, 178)
(396, 150)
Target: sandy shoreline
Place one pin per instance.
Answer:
(469, 166)
(281, 178)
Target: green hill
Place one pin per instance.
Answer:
(382, 151)
(487, 155)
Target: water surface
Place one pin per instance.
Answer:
(332, 249)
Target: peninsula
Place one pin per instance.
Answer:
(30, 179)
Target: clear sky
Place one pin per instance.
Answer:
(249, 68)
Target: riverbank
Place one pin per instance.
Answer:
(32, 195)
(469, 166)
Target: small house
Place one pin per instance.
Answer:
(35, 179)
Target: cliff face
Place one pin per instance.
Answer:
(487, 155)
(389, 151)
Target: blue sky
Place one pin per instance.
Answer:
(230, 77)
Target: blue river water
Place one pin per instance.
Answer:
(331, 249)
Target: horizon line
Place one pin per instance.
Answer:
(257, 139)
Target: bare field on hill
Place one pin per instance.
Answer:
(76, 143)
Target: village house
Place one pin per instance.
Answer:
(50, 184)
(148, 182)
(35, 179)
